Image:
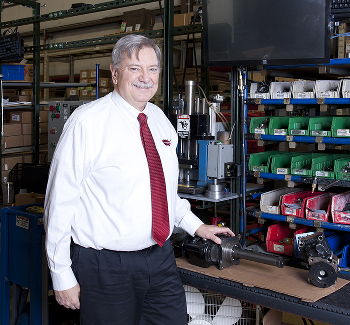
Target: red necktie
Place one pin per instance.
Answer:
(160, 216)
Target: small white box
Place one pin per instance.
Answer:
(303, 89)
(270, 201)
(346, 88)
(280, 90)
(255, 94)
(327, 88)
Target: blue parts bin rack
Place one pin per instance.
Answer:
(23, 262)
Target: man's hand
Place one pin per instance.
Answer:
(69, 298)
(209, 232)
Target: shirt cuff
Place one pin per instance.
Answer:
(64, 280)
(190, 223)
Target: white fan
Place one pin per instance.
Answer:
(194, 301)
(229, 312)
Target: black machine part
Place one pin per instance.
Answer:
(204, 253)
(322, 263)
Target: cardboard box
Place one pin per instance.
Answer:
(43, 127)
(102, 73)
(84, 93)
(28, 72)
(27, 159)
(43, 138)
(27, 128)
(84, 81)
(13, 141)
(27, 92)
(105, 82)
(11, 129)
(8, 163)
(183, 19)
(29, 198)
(43, 116)
(84, 74)
(21, 117)
(27, 140)
(105, 91)
(72, 92)
(140, 19)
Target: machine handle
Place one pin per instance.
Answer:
(258, 257)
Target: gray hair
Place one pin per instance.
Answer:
(130, 44)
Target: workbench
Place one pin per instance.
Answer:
(332, 309)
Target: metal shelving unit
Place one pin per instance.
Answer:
(336, 68)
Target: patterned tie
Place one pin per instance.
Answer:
(160, 217)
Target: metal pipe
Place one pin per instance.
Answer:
(258, 257)
(243, 155)
(190, 90)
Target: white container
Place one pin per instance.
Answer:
(346, 88)
(280, 90)
(270, 201)
(327, 88)
(254, 92)
(303, 89)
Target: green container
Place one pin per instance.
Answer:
(320, 126)
(260, 161)
(324, 166)
(341, 126)
(340, 166)
(301, 164)
(298, 125)
(257, 125)
(280, 163)
(278, 125)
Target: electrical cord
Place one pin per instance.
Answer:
(217, 112)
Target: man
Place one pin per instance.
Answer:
(100, 194)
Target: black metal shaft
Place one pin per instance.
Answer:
(258, 257)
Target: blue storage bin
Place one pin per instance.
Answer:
(12, 71)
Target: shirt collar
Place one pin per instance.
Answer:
(130, 111)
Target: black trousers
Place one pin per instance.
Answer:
(129, 288)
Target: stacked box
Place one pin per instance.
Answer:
(140, 19)
(182, 19)
(18, 128)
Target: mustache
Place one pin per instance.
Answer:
(143, 85)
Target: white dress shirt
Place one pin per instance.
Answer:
(98, 191)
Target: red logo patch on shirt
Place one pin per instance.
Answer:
(167, 142)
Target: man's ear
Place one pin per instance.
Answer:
(113, 73)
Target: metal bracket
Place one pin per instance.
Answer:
(323, 108)
(317, 223)
(289, 108)
(290, 219)
(261, 108)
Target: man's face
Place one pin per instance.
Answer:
(137, 79)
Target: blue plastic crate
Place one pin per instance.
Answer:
(12, 71)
